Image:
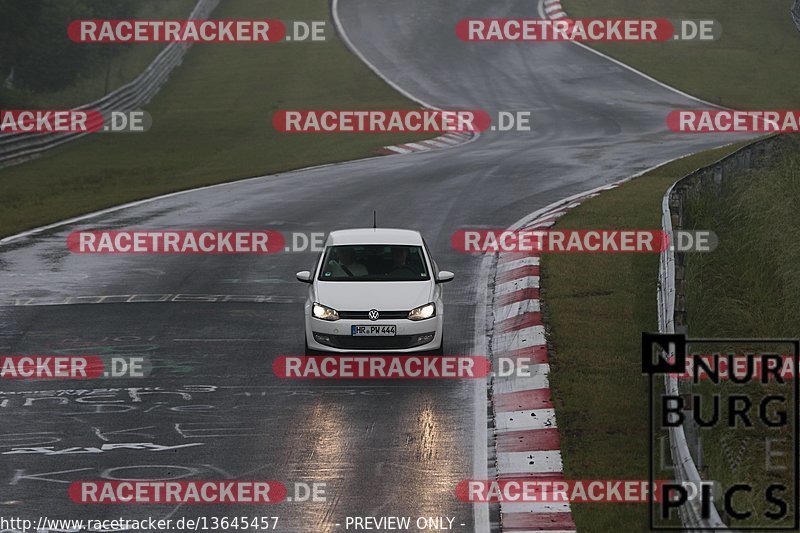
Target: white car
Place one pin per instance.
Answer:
(375, 290)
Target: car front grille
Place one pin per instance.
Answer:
(364, 315)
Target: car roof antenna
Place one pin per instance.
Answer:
(374, 219)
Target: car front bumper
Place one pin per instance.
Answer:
(411, 336)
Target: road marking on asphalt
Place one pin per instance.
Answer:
(543, 14)
(447, 140)
(481, 441)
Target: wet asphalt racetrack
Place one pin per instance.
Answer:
(381, 448)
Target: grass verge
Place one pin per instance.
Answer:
(211, 124)
(596, 308)
(758, 41)
(127, 64)
(749, 287)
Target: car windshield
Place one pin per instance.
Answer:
(374, 262)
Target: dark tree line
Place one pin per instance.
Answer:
(34, 44)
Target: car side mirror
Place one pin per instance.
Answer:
(444, 276)
(304, 276)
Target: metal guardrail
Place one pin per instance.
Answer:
(19, 147)
(671, 298)
(684, 466)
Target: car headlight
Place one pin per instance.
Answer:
(423, 312)
(324, 313)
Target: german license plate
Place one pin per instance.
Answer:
(373, 331)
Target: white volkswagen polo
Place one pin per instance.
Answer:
(376, 290)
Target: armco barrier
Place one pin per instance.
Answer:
(18, 147)
(672, 301)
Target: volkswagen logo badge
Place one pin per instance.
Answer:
(373, 314)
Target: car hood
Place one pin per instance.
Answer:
(380, 295)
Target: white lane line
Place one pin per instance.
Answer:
(480, 439)
(337, 22)
(346, 38)
(543, 15)
(517, 263)
(515, 309)
(536, 507)
(528, 282)
(529, 462)
(520, 420)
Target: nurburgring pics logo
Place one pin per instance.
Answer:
(751, 404)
